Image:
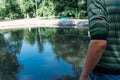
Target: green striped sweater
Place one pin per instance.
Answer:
(104, 18)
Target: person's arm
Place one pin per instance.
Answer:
(95, 50)
(98, 28)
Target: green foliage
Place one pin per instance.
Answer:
(46, 8)
(28, 7)
(12, 9)
(2, 13)
(73, 7)
(2, 10)
(43, 8)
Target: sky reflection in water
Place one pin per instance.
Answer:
(41, 66)
(34, 56)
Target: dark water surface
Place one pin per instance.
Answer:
(42, 54)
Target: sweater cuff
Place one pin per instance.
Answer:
(99, 37)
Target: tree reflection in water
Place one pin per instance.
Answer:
(9, 65)
(72, 49)
(68, 45)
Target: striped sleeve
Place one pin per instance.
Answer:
(97, 15)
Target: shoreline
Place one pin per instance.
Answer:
(35, 22)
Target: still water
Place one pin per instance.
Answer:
(42, 54)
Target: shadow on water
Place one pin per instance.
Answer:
(67, 45)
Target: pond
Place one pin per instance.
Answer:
(42, 53)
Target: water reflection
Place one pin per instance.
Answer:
(42, 54)
(9, 65)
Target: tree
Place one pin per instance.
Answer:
(46, 8)
(2, 9)
(28, 7)
(43, 8)
(75, 8)
(12, 9)
(2, 13)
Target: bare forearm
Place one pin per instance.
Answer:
(95, 50)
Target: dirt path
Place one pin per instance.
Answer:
(34, 22)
